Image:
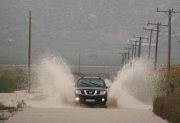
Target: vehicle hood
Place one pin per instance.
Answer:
(90, 88)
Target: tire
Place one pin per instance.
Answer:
(104, 106)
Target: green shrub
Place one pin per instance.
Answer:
(12, 80)
(8, 82)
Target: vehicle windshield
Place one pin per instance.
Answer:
(90, 83)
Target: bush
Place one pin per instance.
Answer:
(168, 106)
(3, 107)
(12, 80)
(8, 82)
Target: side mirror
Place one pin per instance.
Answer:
(108, 86)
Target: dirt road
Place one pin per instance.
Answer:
(84, 115)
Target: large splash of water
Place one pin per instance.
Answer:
(54, 82)
(135, 86)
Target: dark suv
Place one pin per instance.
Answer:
(91, 91)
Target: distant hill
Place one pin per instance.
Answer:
(98, 29)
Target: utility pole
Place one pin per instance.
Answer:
(123, 58)
(79, 63)
(157, 40)
(150, 40)
(128, 48)
(133, 45)
(169, 34)
(140, 41)
(29, 54)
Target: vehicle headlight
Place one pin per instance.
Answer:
(77, 99)
(102, 92)
(78, 91)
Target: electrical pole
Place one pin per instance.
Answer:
(150, 40)
(140, 41)
(133, 45)
(129, 51)
(135, 48)
(157, 40)
(123, 58)
(128, 48)
(169, 34)
(29, 54)
(79, 63)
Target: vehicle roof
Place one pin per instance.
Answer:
(90, 77)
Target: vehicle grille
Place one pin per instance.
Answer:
(90, 92)
(82, 92)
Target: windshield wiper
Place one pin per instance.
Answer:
(85, 84)
(96, 84)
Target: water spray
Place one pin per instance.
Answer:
(135, 86)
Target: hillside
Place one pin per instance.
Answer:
(98, 29)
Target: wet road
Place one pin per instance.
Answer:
(84, 115)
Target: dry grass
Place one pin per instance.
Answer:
(170, 80)
(168, 106)
(174, 69)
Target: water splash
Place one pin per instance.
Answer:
(135, 86)
(54, 82)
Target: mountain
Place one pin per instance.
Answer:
(98, 29)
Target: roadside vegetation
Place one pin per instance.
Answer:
(167, 103)
(12, 80)
(9, 111)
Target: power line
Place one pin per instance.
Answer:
(172, 4)
(175, 35)
(177, 21)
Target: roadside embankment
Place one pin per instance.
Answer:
(167, 104)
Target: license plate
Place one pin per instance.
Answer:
(90, 100)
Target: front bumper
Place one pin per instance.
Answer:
(91, 99)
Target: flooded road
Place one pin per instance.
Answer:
(52, 100)
(84, 115)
